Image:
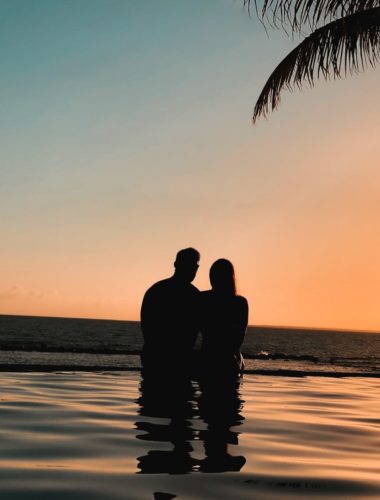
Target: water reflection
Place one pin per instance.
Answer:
(220, 407)
(174, 414)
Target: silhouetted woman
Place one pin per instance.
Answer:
(224, 318)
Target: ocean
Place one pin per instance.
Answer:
(54, 343)
(77, 421)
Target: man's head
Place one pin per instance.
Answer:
(186, 264)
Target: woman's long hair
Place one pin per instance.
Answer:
(222, 277)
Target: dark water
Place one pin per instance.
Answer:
(60, 342)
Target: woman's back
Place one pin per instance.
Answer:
(224, 320)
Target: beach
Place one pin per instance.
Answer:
(93, 435)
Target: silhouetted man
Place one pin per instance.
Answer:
(169, 319)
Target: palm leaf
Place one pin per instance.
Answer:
(346, 45)
(297, 13)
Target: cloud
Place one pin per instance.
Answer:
(22, 293)
(19, 292)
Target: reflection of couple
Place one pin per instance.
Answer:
(174, 311)
(169, 426)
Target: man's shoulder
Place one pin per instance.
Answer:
(170, 285)
(160, 285)
(163, 283)
(194, 289)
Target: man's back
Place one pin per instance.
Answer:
(169, 317)
(169, 322)
(169, 307)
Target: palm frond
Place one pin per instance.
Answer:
(346, 45)
(297, 13)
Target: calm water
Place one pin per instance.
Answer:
(100, 343)
(105, 436)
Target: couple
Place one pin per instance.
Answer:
(174, 311)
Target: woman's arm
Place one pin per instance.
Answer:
(240, 326)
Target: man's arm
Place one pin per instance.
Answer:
(147, 314)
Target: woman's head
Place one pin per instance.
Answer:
(222, 277)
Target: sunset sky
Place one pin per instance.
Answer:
(126, 135)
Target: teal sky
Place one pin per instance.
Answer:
(125, 135)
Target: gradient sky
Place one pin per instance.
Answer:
(125, 135)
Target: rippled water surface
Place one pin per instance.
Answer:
(103, 436)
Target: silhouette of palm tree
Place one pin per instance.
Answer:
(344, 38)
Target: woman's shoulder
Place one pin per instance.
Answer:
(210, 297)
(242, 301)
(240, 298)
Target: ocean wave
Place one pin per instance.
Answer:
(280, 355)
